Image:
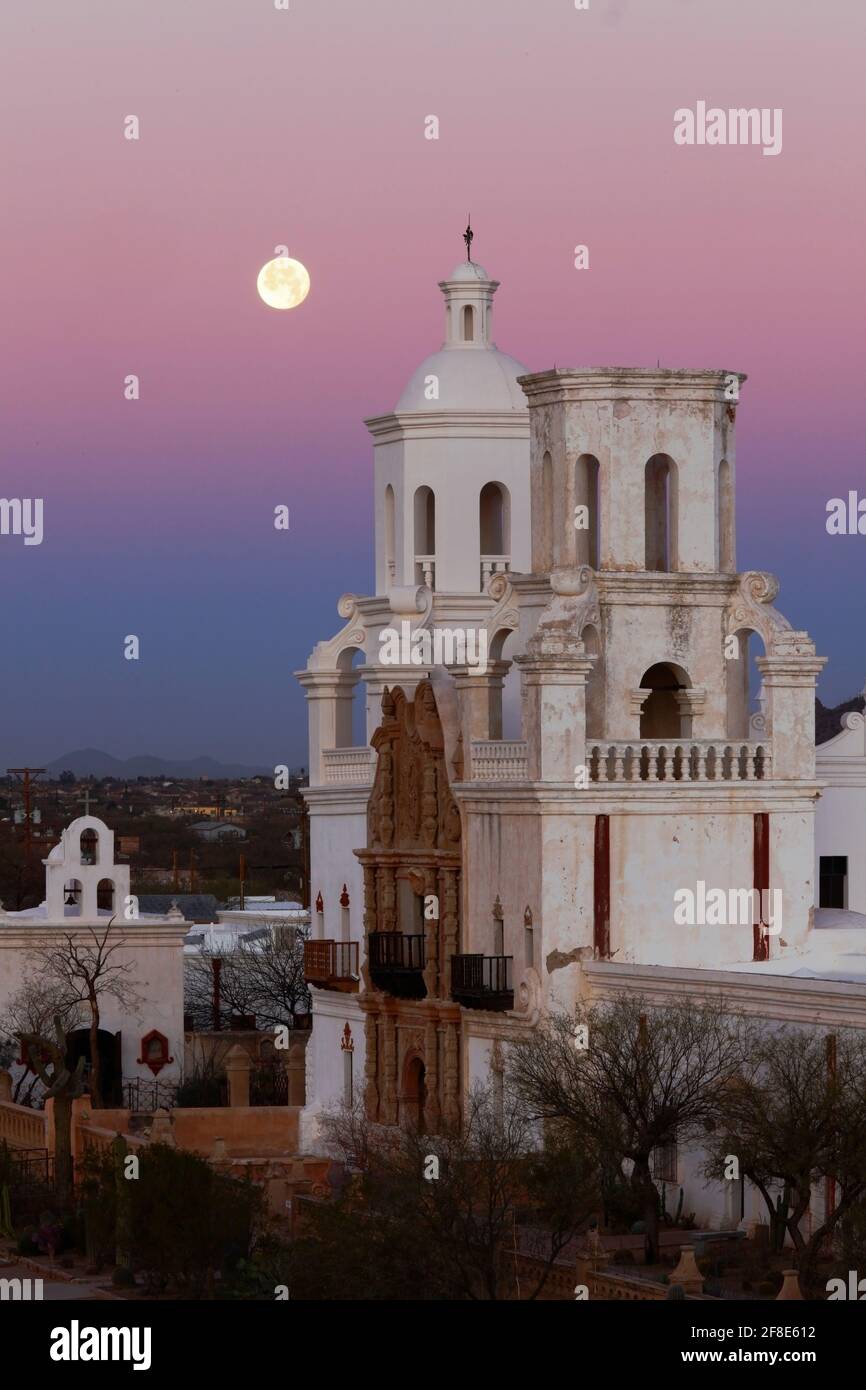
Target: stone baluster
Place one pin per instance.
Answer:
(652, 762)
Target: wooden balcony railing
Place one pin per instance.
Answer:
(482, 982)
(331, 964)
(397, 963)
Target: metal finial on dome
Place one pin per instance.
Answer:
(468, 237)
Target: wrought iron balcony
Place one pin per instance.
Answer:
(397, 963)
(331, 964)
(482, 982)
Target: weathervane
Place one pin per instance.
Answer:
(467, 237)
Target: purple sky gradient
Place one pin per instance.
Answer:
(260, 127)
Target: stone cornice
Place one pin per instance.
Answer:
(655, 384)
(633, 799)
(641, 587)
(337, 800)
(751, 992)
(133, 936)
(449, 424)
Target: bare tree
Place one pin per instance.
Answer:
(636, 1078)
(474, 1200)
(263, 977)
(797, 1117)
(62, 1086)
(30, 1013)
(85, 969)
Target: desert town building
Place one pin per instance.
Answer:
(86, 892)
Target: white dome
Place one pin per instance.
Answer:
(473, 379)
(469, 270)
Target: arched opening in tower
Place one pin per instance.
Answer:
(662, 714)
(660, 514)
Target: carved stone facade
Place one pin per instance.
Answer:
(412, 893)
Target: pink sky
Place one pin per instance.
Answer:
(260, 127)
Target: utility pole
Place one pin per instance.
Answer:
(243, 874)
(26, 774)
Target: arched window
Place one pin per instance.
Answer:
(585, 522)
(105, 895)
(351, 696)
(727, 560)
(494, 518)
(546, 558)
(89, 847)
(425, 537)
(73, 894)
(744, 685)
(662, 715)
(660, 514)
(468, 324)
(389, 534)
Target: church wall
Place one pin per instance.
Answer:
(654, 856)
(840, 829)
(566, 926)
(325, 1066)
(336, 831)
(792, 839)
(156, 974)
(503, 850)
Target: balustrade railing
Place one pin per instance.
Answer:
(493, 564)
(349, 766)
(425, 570)
(327, 961)
(498, 760)
(688, 760)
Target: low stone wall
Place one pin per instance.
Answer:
(23, 1128)
(259, 1131)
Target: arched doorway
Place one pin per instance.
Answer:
(662, 713)
(111, 1080)
(414, 1094)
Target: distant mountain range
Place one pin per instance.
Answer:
(93, 762)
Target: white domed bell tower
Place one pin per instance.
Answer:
(451, 473)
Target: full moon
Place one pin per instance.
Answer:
(283, 283)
